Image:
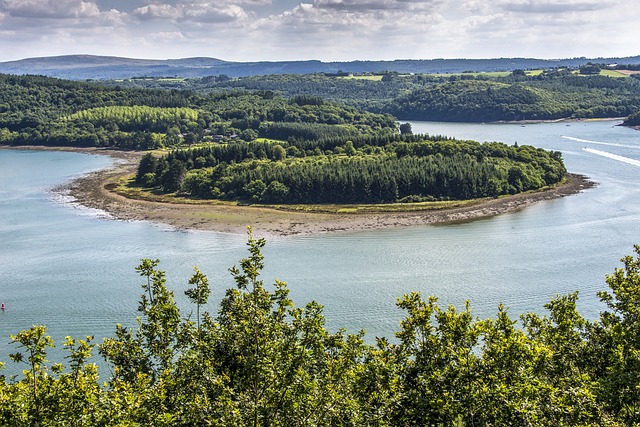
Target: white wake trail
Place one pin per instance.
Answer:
(611, 144)
(622, 159)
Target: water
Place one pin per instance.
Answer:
(73, 270)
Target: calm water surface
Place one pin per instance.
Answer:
(73, 270)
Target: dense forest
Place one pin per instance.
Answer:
(46, 111)
(550, 94)
(60, 112)
(389, 169)
(478, 100)
(37, 110)
(261, 361)
(154, 113)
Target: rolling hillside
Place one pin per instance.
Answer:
(80, 67)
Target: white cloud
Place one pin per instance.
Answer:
(113, 18)
(222, 3)
(356, 16)
(246, 30)
(349, 29)
(213, 13)
(48, 16)
(546, 7)
(49, 8)
(169, 36)
(157, 11)
(545, 29)
(476, 7)
(204, 12)
(368, 6)
(244, 3)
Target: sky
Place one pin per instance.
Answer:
(327, 30)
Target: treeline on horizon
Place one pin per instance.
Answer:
(479, 97)
(261, 361)
(81, 67)
(372, 169)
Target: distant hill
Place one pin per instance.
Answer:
(81, 67)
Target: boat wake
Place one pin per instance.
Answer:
(613, 156)
(611, 144)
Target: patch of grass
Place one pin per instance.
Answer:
(486, 74)
(272, 141)
(374, 208)
(613, 73)
(160, 79)
(372, 78)
(127, 187)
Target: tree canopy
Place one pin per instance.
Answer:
(389, 169)
(46, 111)
(145, 114)
(521, 95)
(523, 99)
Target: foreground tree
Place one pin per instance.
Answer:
(615, 343)
(261, 361)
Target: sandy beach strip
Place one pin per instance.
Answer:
(95, 191)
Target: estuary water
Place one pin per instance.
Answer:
(72, 268)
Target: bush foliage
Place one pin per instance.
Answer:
(262, 361)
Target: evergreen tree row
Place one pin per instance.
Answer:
(137, 118)
(268, 172)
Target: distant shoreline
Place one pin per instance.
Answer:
(561, 120)
(93, 191)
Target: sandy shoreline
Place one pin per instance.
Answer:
(93, 191)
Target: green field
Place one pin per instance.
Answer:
(367, 77)
(486, 74)
(613, 73)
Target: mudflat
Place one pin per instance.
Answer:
(96, 190)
